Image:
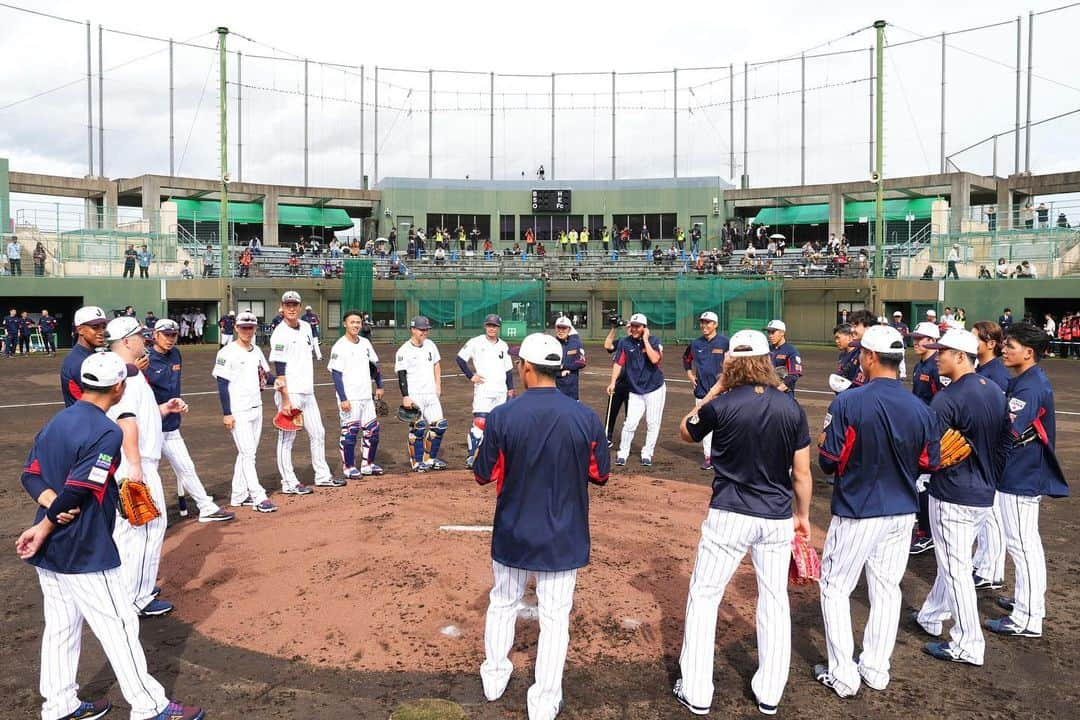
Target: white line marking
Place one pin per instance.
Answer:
(467, 528)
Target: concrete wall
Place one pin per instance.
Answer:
(985, 299)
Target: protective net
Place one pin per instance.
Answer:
(673, 305)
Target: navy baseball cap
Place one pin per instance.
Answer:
(493, 319)
(420, 323)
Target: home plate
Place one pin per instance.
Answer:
(466, 528)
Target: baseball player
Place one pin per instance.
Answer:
(242, 372)
(139, 416)
(639, 355)
(90, 326)
(291, 349)
(70, 473)
(1031, 471)
(353, 365)
(311, 319)
(703, 362)
(990, 542)
(541, 453)
(760, 499)
(419, 372)
(26, 328)
(491, 375)
(164, 378)
(925, 383)
(990, 345)
(848, 371)
(876, 440)
(618, 399)
(47, 323)
(573, 357)
(899, 325)
(784, 355)
(228, 327)
(961, 495)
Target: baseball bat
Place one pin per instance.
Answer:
(180, 499)
(607, 418)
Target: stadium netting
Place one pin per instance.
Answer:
(673, 305)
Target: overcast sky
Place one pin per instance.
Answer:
(48, 134)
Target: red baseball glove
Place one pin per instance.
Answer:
(289, 422)
(805, 565)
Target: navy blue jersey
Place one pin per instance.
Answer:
(756, 431)
(149, 322)
(995, 370)
(313, 320)
(26, 326)
(877, 439)
(642, 376)
(975, 407)
(541, 450)
(706, 359)
(164, 378)
(75, 456)
(848, 367)
(573, 359)
(925, 381)
(227, 324)
(47, 325)
(1032, 468)
(12, 325)
(70, 372)
(787, 357)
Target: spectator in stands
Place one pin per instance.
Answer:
(255, 245)
(541, 251)
(395, 266)
(39, 260)
(129, 261)
(1044, 215)
(301, 246)
(245, 263)
(770, 248)
(984, 273)
(563, 242)
(624, 239)
(530, 241)
(369, 248)
(474, 238)
(1002, 269)
(781, 246)
(747, 263)
(410, 249)
(1062, 221)
(317, 271)
(314, 246)
(185, 271)
(657, 256)
(144, 257)
(574, 274)
(751, 252)
(440, 257)
(354, 247)
(864, 263)
(1028, 270)
(462, 238)
(335, 248)
(699, 265)
(488, 248)
(991, 218)
(516, 250)
(1027, 215)
(294, 263)
(928, 273)
(769, 273)
(728, 247)
(572, 236)
(208, 262)
(646, 239)
(583, 240)
(950, 265)
(392, 240)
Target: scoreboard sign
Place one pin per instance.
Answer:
(551, 201)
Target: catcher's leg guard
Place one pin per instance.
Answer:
(476, 435)
(416, 443)
(349, 432)
(433, 439)
(369, 442)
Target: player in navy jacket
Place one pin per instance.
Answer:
(962, 495)
(47, 323)
(990, 344)
(69, 473)
(785, 356)
(638, 357)
(541, 450)
(90, 324)
(877, 439)
(11, 332)
(925, 383)
(1031, 471)
(573, 357)
(703, 362)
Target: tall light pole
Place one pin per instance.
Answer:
(223, 217)
(879, 154)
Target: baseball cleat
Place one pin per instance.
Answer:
(155, 592)
(176, 711)
(89, 710)
(372, 469)
(823, 676)
(924, 628)
(766, 709)
(246, 502)
(945, 651)
(678, 693)
(219, 516)
(920, 544)
(421, 467)
(1006, 626)
(156, 607)
(298, 489)
(265, 507)
(646, 462)
(1005, 603)
(707, 465)
(469, 463)
(332, 482)
(438, 464)
(351, 472)
(620, 461)
(982, 583)
(610, 443)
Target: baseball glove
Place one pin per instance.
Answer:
(781, 372)
(136, 505)
(289, 422)
(955, 449)
(805, 564)
(381, 408)
(408, 415)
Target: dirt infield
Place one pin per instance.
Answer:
(336, 605)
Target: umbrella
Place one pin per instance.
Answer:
(777, 236)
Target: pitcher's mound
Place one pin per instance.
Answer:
(363, 577)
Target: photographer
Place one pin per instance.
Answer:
(618, 399)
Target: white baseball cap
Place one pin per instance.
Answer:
(245, 318)
(563, 321)
(122, 327)
(958, 339)
(639, 319)
(838, 383)
(166, 325)
(90, 315)
(777, 325)
(898, 314)
(748, 343)
(926, 329)
(103, 370)
(541, 349)
(710, 316)
(882, 339)
(290, 297)
(931, 313)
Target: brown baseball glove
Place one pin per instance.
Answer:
(289, 422)
(954, 448)
(136, 505)
(382, 409)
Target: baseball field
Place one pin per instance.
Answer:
(354, 601)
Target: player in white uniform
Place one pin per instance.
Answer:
(491, 375)
(291, 348)
(419, 373)
(353, 365)
(139, 416)
(242, 371)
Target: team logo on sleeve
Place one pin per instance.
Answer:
(1016, 405)
(279, 347)
(99, 474)
(945, 380)
(828, 421)
(221, 361)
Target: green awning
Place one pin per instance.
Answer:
(252, 213)
(853, 212)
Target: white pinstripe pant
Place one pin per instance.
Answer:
(174, 449)
(555, 598)
(140, 547)
(247, 429)
(102, 600)
(725, 538)
(313, 426)
(881, 545)
(1020, 516)
(651, 405)
(953, 593)
(990, 545)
